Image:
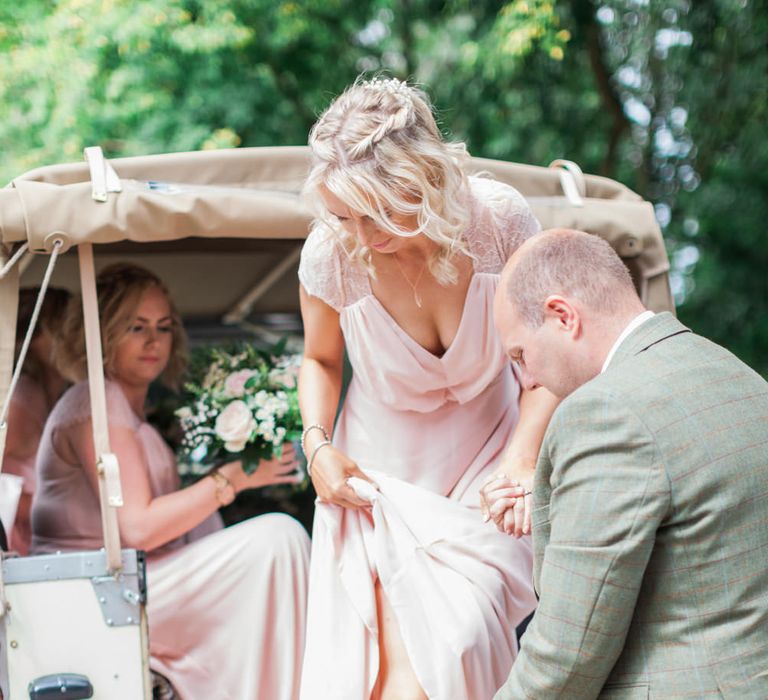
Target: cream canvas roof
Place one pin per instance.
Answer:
(214, 224)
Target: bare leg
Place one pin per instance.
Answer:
(396, 680)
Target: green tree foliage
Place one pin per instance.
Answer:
(667, 96)
(693, 81)
(165, 75)
(723, 217)
(139, 77)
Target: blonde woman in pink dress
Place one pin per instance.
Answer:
(412, 595)
(226, 607)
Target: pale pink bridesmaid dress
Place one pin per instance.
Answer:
(428, 430)
(31, 405)
(226, 607)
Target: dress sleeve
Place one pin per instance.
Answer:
(513, 220)
(119, 412)
(504, 219)
(320, 270)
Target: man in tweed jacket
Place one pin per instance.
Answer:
(650, 497)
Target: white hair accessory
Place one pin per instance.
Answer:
(392, 86)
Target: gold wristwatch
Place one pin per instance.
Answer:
(225, 492)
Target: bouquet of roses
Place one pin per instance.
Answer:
(242, 404)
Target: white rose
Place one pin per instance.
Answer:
(234, 426)
(234, 384)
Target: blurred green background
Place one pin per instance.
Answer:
(668, 97)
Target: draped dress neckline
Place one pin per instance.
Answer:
(409, 339)
(407, 375)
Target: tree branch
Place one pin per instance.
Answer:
(584, 13)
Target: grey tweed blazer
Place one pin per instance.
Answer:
(650, 530)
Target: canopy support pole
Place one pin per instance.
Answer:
(9, 263)
(110, 494)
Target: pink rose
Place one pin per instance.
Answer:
(287, 374)
(234, 384)
(234, 426)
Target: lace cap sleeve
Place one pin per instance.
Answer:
(504, 217)
(320, 269)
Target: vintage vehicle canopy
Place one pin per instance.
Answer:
(248, 201)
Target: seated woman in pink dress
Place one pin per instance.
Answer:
(38, 389)
(412, 595)
(226, 607)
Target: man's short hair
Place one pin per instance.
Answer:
(572, 264)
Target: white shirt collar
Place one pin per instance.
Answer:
(632, 325)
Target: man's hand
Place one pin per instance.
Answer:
(508, 503)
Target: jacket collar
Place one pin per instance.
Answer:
(654, 330)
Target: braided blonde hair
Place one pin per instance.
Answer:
(378, 149)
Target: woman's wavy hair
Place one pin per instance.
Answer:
(50, 320)
(379, 150)
(119, 288)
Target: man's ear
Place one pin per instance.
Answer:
(563, 313)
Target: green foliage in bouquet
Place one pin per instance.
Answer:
(240, 403)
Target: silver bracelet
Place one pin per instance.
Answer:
(314, 426)
(318, 447)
